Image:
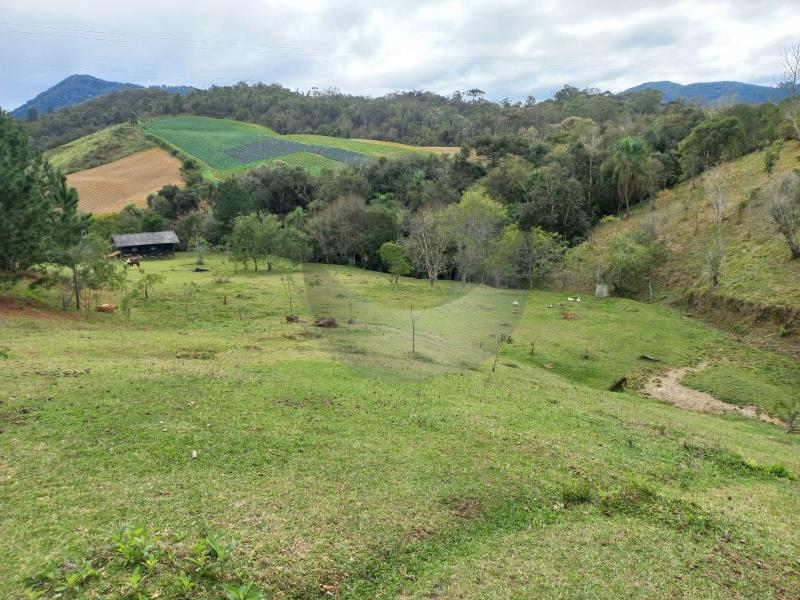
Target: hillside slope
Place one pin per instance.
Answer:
(759, 289)
(340, 477)
(714, 92)
(79, 88)
(102, 147)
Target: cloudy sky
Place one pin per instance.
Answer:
(509, 48)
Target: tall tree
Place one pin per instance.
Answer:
(591, 141)
(627, 162)
(713, 141)
(791, 79)
(557, 203)
(229, 199)
(472, 225)
(427, 243)
(338, 228)
(255, 238)
(25, 200)
(69, 228)
(783, 208)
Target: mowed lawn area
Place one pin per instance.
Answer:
(344, 466)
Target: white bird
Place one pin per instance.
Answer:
(571, 299)
(194, 453)
(578, 300)
(515, 303)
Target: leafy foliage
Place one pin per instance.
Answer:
(25, 200)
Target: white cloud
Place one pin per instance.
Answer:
(510, 48)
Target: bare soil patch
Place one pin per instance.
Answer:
(668, 388)
(109, 188)
(25, 307)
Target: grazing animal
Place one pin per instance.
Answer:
(133, 261)
(107, 308)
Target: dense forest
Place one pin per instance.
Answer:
(414, 117)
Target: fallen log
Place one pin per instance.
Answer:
(325, 322)
(649, 358)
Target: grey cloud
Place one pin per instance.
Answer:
(509, 48)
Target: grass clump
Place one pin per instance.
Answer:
(731, 461)
(139, 565)
(577, 492)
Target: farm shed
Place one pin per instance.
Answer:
(155, 244)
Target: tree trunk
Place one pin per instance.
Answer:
(793, 246)
(75, 287)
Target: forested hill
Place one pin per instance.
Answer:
(713, 92)
(415, 117)
(76, 89)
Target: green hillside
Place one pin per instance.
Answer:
(759, 287)
(99, 148)
(319, 450)
(224, 146)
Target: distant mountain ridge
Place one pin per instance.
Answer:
(714, 91)
(79, 88)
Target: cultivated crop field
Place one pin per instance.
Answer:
(220, 446)
(111, 187)
(224, 147)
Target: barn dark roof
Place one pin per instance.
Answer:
(124, 240)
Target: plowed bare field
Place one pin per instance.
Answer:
(109, 188)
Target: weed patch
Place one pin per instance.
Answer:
(139, 565)
(730, 461)
(577, 492)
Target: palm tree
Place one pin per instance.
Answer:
(628, 162)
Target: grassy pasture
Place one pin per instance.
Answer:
(99, 148)
(344, 466)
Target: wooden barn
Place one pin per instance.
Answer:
(154, 244)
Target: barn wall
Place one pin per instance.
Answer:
(151, 250)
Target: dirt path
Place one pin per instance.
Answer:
(668, 388)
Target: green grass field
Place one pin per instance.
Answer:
(344, 466)
(224, 147)
(99, 148)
